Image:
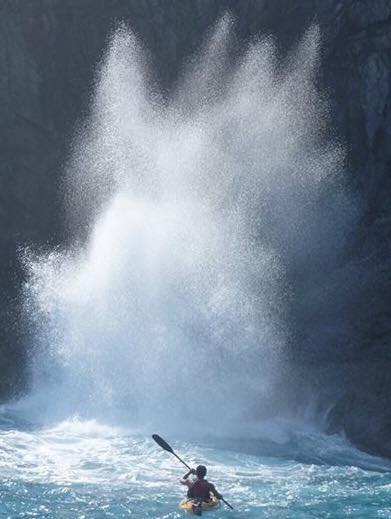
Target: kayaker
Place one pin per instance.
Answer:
(199, 489)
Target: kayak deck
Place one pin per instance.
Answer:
(188, 505)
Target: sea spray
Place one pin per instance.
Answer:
(206, 216)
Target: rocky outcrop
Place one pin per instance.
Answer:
(48, 53)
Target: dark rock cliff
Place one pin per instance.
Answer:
(48, 53)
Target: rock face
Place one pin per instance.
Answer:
(48, 52)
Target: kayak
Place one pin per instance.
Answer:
(187, 504)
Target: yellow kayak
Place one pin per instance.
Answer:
(187, 504)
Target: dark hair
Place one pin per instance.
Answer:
(201, 471)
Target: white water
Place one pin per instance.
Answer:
(86, 470)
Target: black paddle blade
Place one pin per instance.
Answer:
(163, 444)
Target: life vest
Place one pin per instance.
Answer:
(200, 489)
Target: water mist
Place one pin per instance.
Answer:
(206, 213)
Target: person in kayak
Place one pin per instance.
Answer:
(199, 489)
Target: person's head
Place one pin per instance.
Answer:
(201, 471)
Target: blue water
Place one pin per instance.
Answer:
(83, 469)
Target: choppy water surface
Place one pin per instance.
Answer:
(85, 469)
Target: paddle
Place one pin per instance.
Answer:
(164, 445)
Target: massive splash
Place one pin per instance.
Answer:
(202, 211)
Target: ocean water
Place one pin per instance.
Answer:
(84, 469)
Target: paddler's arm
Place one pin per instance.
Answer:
(214, 491)
(185, 480)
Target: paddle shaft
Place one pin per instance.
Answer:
(169, 449)
(181, 460)
(226, 502)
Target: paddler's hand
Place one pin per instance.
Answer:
(191, 471)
